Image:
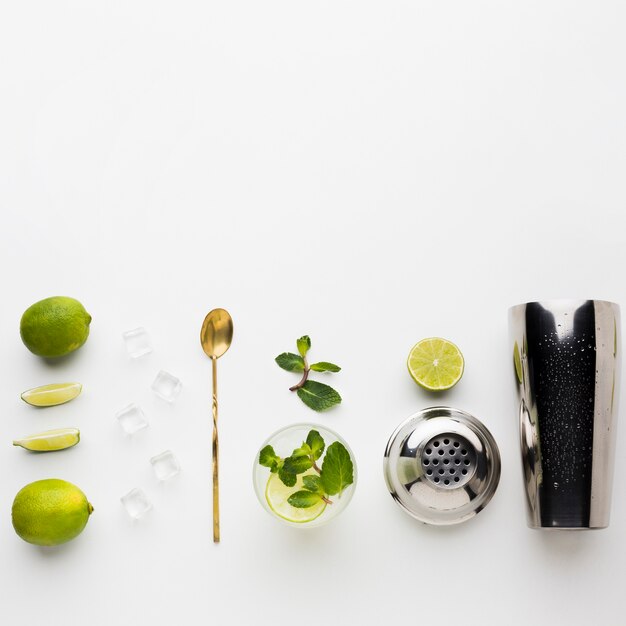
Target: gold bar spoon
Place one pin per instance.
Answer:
(216, 336)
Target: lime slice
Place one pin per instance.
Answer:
(50, 440)
(277, 493)
(435, 364)
(51, 395)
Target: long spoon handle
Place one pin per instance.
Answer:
(216, 449)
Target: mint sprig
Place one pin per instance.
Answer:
(315, 395)
(335, 475)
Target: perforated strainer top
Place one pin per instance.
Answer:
(442, 465)
(448, 460)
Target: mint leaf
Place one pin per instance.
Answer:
(288, 478)
(304, 499)
(325, 366)
(303, 450)
(290, 362)
(316, 444)
(337, 469)
(318, 396)
(297, 464)
(304, 345)
(313, 483)
(268, 458)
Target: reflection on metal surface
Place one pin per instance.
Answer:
(566, 367)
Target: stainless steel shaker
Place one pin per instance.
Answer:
(565, 355)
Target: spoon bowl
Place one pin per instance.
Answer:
(216, 334)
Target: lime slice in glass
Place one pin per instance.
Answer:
(51, 440)
(435, 364)
(277, 493)
(51, 395)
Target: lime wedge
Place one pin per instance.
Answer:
(50, 440)
(277, 493)
(51, 395)
(435, 364)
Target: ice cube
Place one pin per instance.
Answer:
(137, 342)
(131, 419)
(165, 465)
(166, 386)
(136, 503)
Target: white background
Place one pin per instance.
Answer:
(367, 172)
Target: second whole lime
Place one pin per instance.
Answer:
(55, 326)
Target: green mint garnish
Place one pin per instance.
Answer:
(303, 450)
(313, 483)
(336, 473)
(324, 366)
(297, 464)
(315, 443)
(288, 478)
(268, 458)
(304, 345)
(290, 362)
(304, 499)
(317, 396)
(337, 470)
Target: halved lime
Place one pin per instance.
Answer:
(435, 364)
(277, 493)
(50, 440)
(51, 395)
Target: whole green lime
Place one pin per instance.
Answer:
(50, 512)
(55, 326)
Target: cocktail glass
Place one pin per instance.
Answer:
(273, 494)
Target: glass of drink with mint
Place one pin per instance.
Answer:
(304, 475)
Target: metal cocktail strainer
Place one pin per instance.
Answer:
(442, 466)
